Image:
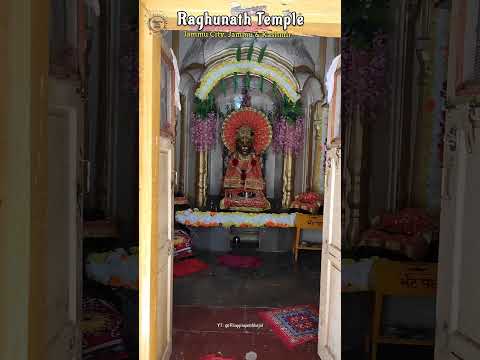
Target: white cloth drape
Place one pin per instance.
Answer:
(177, 81)
(330, 78)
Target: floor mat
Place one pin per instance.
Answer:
(101, 331)
(229, 332)
(188, 266)
(238, 261)
(294, 325)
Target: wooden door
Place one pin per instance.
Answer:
(63, 247)
(458, 318)
(156, 194)
(458, 295)
(329, 332)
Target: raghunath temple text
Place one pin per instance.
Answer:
(241, 19)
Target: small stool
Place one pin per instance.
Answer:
(393, 278)
(306, 222)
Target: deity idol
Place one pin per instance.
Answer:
(246, 134)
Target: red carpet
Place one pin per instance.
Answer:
(294, 325)
(237, 261)
(188, 266)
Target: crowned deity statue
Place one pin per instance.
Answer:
(246, 134)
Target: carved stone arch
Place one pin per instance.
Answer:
(313, 88)
(194, 57)
(187, 82)
(292, 52)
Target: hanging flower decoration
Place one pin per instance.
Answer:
(288, 129)
(285, 82)
(288, 136)
(203, 124)
(364, 54)
(364, 84)
(204, 131)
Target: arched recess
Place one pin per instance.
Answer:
(291, 52)
(185, 153)
(305, 172)
(266, 100)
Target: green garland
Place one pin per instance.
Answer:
(204, 107)
(235, 82)
(223, 88)
(239, 53)
(262, 53)
(250, 52)
(291, 110)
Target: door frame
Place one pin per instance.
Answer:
(154, 251)
(23, 176)
(331, 248)
(460, 129)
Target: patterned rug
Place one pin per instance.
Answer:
(294, 325)
(101, 327)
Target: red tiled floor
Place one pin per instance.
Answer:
(203, 318)
(197, 334)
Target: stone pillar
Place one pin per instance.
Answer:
(288, 179)
(202, 179)
(320, 117)
(183, 146)
(356, 180)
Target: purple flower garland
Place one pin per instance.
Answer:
(204, 131)
(288, 136)
(364, 84)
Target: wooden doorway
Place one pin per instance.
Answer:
(329, 337)
(156, 156)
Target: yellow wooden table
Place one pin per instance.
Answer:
(306, 222)
(394, 278)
